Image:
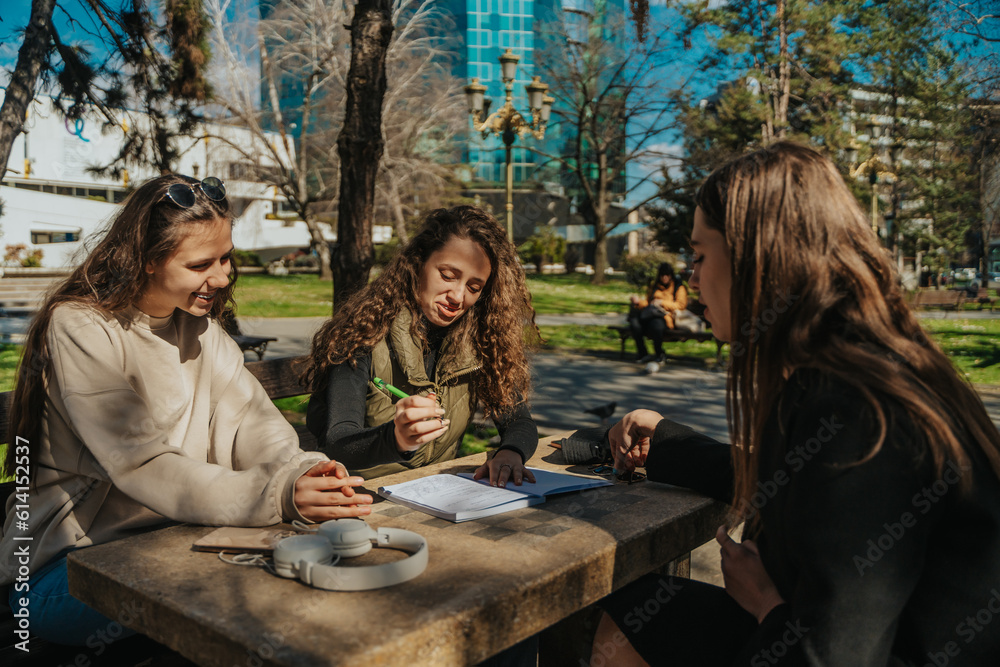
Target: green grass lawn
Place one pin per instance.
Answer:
(573, 293)
(603, 342)
(261, 295)
(972, 345)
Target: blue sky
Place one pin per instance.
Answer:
(14, 16)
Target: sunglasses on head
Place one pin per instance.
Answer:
(183, 194)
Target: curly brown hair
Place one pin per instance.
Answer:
(504, 377)
(147, 229)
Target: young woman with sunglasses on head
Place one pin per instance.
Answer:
(136, 409)
(866, 470)
(446, 323)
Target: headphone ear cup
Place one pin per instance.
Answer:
(291, 551)
(348, 537)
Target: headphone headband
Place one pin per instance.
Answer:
(311, 557)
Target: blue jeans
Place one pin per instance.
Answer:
(58, 617)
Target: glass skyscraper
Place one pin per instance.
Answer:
(484, 29)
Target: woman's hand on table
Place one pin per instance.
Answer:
(629, 438)
(418, 420)
(747, 581)
(327, 492)
(503, 467)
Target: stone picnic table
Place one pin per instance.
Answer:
(489, 584)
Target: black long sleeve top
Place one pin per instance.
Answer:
(336, 416)
(880, 562)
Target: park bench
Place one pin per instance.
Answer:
(946, 299)
(280, 379)
(983, 297)
(678, 335)
(22, 296)
(671, 336)
(256, 344)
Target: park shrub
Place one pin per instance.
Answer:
(640, 268)
(545, 246)
(19, 255)
(246, 258)
(33, 259)
(384, 252)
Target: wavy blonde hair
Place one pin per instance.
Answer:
(793, 227)
(497, 328)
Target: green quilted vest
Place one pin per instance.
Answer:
(402, 365)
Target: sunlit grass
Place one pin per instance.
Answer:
(261, 295)
(573, 293)
(605, 342)
(972, 345)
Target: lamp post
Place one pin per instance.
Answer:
(873, 167)
(508, 123)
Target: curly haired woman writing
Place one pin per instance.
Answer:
(445, 323)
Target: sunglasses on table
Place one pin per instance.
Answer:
(183, 194)
(629, 476)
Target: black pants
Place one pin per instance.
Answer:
(678, 622)
(654, 328)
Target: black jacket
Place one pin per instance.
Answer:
(879, 563)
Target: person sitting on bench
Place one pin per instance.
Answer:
(652, 316)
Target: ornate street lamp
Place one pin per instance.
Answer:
(873, 167)
(506, 122)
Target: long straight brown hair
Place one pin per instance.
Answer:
(147, 229)
(799, 242)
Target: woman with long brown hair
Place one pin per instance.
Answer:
(866, 470)
(132, 408)
(445, 323)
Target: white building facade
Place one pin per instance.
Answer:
(53, 203)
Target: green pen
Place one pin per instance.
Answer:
(382, 384)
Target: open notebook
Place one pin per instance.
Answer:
(460, 498)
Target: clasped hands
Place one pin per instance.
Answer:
(327, 492)
(747, 581)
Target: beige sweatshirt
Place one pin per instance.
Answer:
(150, 419)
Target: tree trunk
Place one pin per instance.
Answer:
(320, 245)
(395, 198)
(784, 75)
(599, 215)
(325, 270)
(360, 146)
(31, 60)
(600, 261)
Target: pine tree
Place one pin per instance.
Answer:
(791, 84)
(918, 109)
(136, 64)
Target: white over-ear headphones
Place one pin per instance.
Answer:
(311, 557)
